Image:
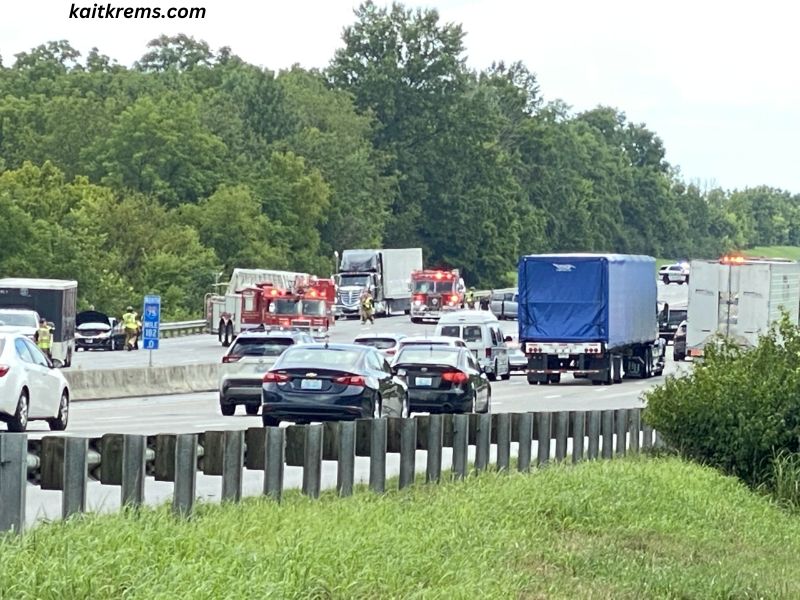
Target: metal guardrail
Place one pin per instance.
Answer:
(66, 463)
(179, 328)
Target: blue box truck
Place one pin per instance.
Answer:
(592, 315)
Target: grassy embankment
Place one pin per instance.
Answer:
(636, 528)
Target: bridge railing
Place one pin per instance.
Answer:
(67, 463)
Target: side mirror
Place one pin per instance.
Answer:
(57, 364)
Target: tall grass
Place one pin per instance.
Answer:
(635, 528)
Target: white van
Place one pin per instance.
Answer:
(481, 332)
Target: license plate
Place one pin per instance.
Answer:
(563, 355)
(310, 384)
(422, 381)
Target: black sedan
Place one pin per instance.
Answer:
(331, 382)
(443, 379)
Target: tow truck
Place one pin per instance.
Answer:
(435, 291)
(306, 306)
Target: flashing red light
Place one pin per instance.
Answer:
(275, 378)
(352, 380)
(274, 292)
(455, 377)
(454, 298)
(439, 274)
(312, 294)
(732, 260)
(419, 297)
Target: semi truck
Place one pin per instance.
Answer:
(385, 273)
(739, 298)
(434, 292)
(592, 315)
(242, 305)
(53, 300)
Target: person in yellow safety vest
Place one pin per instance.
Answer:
(469, 298)
(131, 328)
(44, 338)
(367, 308)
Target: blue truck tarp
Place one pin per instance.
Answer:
(610, 298)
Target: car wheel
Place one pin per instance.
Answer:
(678, 357)
(61, 420)
(507, 375)
(228, 410)
(267, 421)
(665, 279)
(19, 422)
(493, 375)
(251, 409)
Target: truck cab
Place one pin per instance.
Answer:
(434, 293)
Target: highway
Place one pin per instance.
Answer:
(187, 413)
(205, 348)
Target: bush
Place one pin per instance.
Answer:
(737, 410)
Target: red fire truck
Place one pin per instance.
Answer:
(308, 305)
(251, 311)
(435, 291)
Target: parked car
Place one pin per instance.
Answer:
(679, 343)
(19, 320)
(677, 273)
(31, 386)
(387, 343)
(517, 361)
(443, 379)
(669, 318)
(96, 330)
(503, 303)
(329, 382)
(251, 355)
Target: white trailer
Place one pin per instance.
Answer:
(739, 298)
(224, 311)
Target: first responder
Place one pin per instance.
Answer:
(44, 338)
(469, 299)
(129, 323)
(367, 308)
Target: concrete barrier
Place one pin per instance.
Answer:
(102, 384)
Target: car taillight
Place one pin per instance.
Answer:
(391, 351)
(455, 377)
(275, 378)
(4, 369)
(230, 359)
(488, 353)
(351, 380)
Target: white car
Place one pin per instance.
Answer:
(387, 343)
(249, 357)
(31, 386)
(677, 273)
(19, 320)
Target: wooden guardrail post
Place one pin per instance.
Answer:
(621, 421)
(594, 435)
(346, 458)
(377, 455)
(578, 434)
(608, 434)
(13, 481)
(562, 433)
(275, 449)
(503, 430)
(483, 443)
(185, 474)
(408, 452)
(460, 445)
(635, 419)
(525, 437)
(312, 461)
(435, 439)
(543, 436)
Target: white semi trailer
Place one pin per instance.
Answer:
(739, 298)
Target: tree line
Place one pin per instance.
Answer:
(163, 176)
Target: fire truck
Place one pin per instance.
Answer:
(246, 303)
(434, 292)
(307, 305)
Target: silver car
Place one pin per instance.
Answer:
(387, 343)
(503, 303)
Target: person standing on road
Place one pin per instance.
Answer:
(367, 308)
(469, 299)
(129, 320)
(44, 338)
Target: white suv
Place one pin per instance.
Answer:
(677, 273)
(250, 356)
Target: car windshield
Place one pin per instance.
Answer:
(286, 307)
(327, 357)
(428, 356)
(451, 331)
(379, 343)
(260, 346)
(676, 317)
(18, 319)
(313, 308)
(433, 287)
(357, 280)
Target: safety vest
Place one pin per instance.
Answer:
(470, 297)
(367, 303)
(44, 339)
(129, 320)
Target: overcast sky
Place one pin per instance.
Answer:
(717, 81)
